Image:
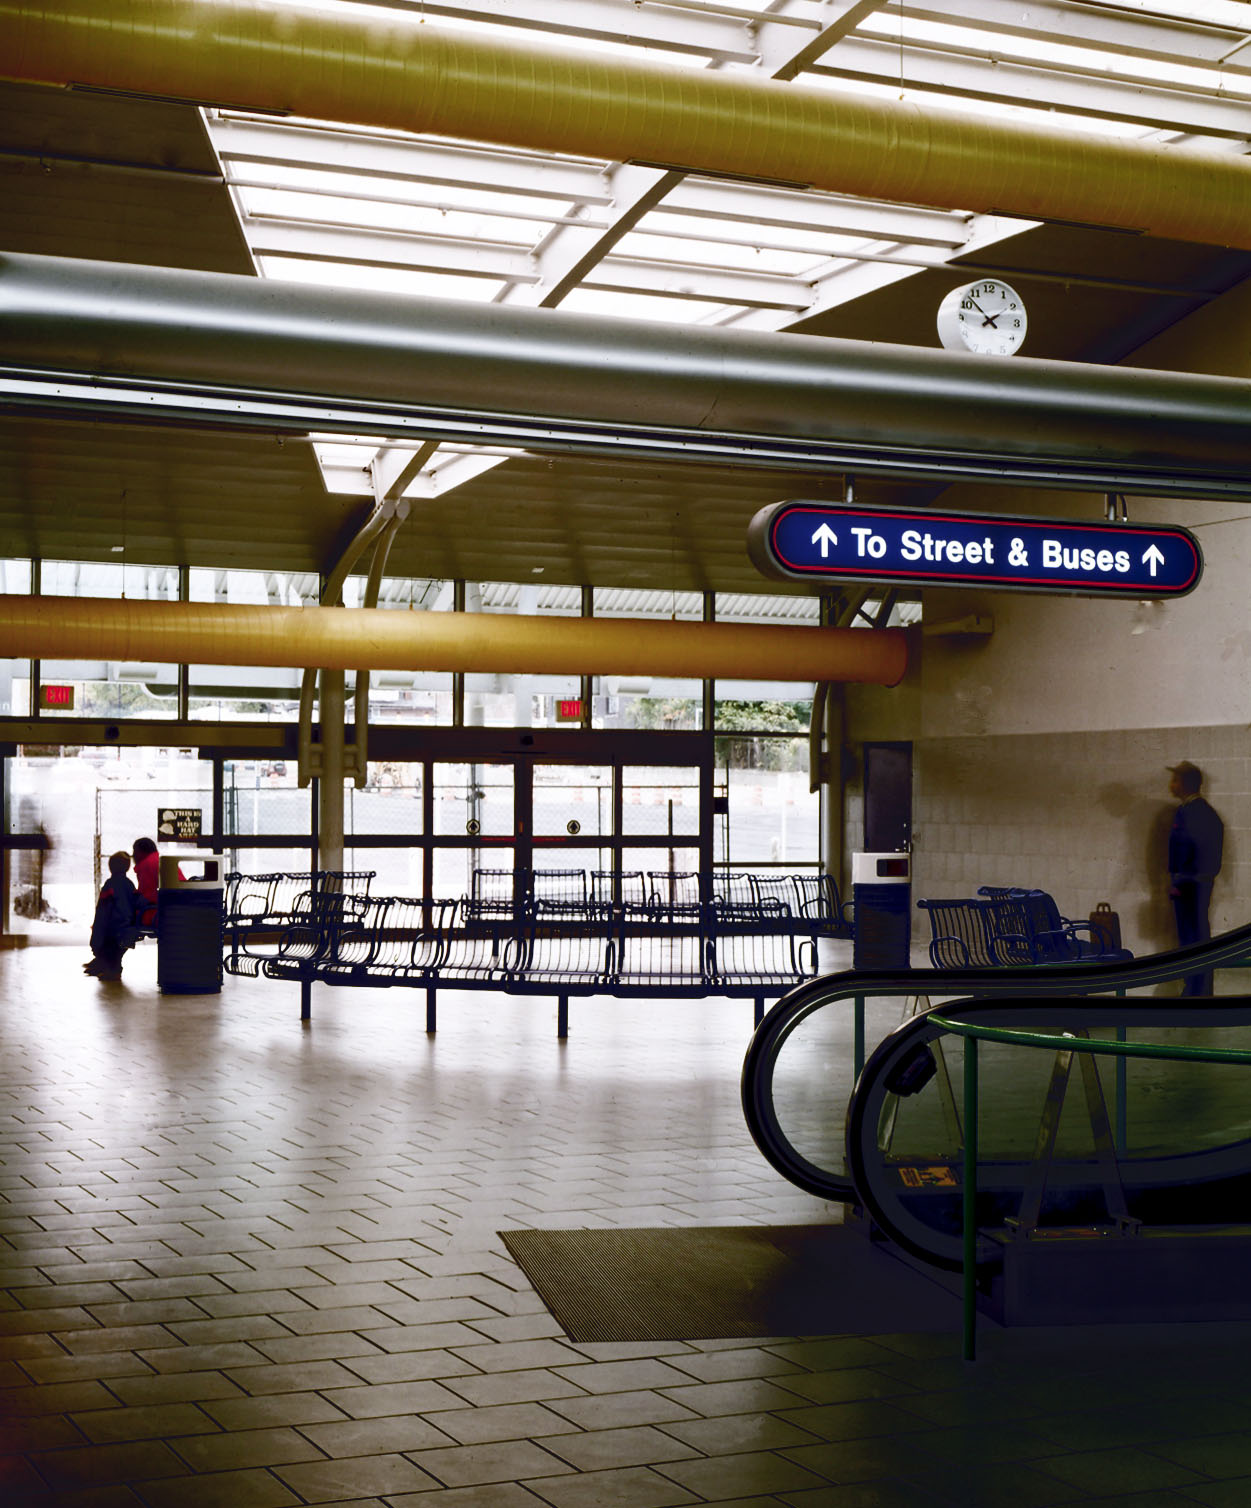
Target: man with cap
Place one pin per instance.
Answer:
(1195, 841)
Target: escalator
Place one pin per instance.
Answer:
(1067, 1142)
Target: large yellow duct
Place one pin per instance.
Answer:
(338, 638)
(398, 70)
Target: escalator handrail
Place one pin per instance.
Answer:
(1057, 1042)
(1017, 980)
(1066, 1042)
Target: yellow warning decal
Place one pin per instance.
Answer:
(929, 1178)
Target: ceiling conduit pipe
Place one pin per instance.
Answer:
(339, 638)
(93, 340)
(358, 761)
(308, 762)
(399, 71)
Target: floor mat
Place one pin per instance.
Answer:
(706, 1282)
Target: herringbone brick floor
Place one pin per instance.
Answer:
(250, 1263)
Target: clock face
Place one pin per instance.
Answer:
(987, 318)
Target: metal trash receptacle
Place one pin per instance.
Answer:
(881, 885)
(190, 922)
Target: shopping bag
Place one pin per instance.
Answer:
(1106, 926)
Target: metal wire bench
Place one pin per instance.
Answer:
(610, 936)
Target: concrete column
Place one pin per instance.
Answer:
(330, 786)
(834, 838)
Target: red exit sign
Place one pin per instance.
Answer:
(569, 712)
(56, 698)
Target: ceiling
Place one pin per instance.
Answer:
(92, 174)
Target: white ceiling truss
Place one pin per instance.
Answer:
(430, 216)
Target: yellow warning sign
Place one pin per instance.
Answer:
(929, 1178)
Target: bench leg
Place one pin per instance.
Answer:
(562, 1017)
(306, 999)
(432, 996)
(758, 1016)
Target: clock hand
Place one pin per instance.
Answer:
(987, 319)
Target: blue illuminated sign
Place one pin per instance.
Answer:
(914, 546)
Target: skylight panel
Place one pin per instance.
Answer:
(620, 304)
(408, 283)
(1222, 13)
(998, 109)
(399, 219)
(483, 25)
(737, 256)
(1000, 46)
(347, 189)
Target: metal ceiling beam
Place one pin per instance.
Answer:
(570, 254)
(419, 77)
(783, 46)
(783, 55)
(97, 340)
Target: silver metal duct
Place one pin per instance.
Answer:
(97, 340)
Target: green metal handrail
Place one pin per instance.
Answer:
(1055, 1042)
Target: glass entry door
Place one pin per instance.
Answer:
(474, 825)
(504, 828)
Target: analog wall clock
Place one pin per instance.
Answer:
(987, 318)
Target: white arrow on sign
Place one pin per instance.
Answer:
(1153, 557)
(828, 537)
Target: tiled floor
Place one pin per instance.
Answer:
(254, 1263)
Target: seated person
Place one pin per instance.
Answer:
(147, 877)
(116, 922)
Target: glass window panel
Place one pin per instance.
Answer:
(773, 817)
(262, 796)
(406, 593)
(389, 802)
(628, 602)
(423, 699)
(115, 689)
(763, 706)
(246, 860)
(139, 688)
(15, 579)
(530, 598)
(253, 693)
(764, 607)
(254, 588)
(669, 875)
(15, 688)
(396, 871)
(659, 800)
(519, 701)
(480, 794)
(675, 706)
(92, 802)
(569, 794)
(486, 872)
(102, 578)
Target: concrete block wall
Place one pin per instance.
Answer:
(1082, 814)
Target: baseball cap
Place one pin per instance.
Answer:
(1186, 768)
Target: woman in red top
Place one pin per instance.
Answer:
(147, 877)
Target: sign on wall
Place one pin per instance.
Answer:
(803, 540)
(177, 822)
